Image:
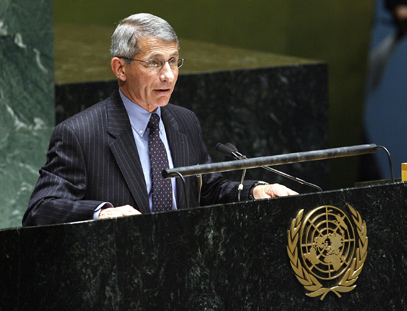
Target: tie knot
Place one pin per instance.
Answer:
(154, 121)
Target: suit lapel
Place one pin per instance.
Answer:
(179, 148)
(125, 152)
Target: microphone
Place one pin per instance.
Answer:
(224, 149)
(236, 153)
(231, 151)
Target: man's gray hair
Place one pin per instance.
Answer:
(125, 38)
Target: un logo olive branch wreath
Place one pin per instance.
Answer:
(308, 280)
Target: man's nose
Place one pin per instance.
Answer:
(167, 73)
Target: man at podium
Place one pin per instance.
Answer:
(107, 160)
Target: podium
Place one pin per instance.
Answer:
(221, 257)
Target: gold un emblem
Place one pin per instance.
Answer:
(327, 250)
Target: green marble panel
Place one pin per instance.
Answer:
(26, 100)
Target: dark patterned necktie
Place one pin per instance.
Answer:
(161, 188)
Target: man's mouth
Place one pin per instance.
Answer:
(162, 90)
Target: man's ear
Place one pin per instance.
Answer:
(118, 67)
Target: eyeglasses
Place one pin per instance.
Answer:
(157, 64)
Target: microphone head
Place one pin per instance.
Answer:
(231, 146)
(225, 150)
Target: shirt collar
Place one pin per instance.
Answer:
(139, 117)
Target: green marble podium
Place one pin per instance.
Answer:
(223, 257)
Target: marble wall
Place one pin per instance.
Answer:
(26, 100)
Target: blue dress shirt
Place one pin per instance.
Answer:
(139, 118)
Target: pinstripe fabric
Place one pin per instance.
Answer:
(92, 158)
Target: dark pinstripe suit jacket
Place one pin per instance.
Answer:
(92, 158)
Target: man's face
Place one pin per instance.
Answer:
(146, 87)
